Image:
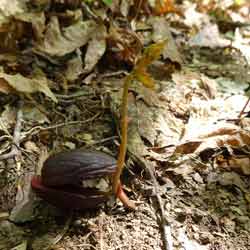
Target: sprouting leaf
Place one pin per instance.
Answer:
(108, 2)
(150, 54)
(145, 78)
(164, 6)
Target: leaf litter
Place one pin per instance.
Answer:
(188, 140)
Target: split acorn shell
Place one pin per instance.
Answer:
(62, 175)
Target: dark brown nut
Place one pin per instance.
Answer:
(68, 198)
(73, 167)
(63, 174)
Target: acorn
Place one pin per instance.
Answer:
(78, 179)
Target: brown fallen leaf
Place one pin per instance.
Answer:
(161, 31)
(240, 165)
(96, 48)
(5, 87)
(26, 85)
(59, 42)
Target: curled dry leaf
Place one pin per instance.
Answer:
(10, 8)
(5, 87)
(209, 37)
(59, 42)
(26, 85)
(218, 137)
(96, 48)
(241, 165)
(161, 32)
(37, 20)
(123, 46)
(74, 67)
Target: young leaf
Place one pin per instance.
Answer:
(144, 77)
(108, 2)
(150, 54)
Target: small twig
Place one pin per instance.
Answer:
(86, 245)
(16, 135)
(166, 229)
(138, 10)
(100, 225)
(103, 140)
(40, 128)
(243, 110)
(116, 73)
(60, 235)
(5, 137)
(89, 12)
(73, 96)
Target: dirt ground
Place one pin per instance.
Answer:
(187, 164)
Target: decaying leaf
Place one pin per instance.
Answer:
(59, 42)
(74, 67)
(22, 246)
(161, 32)
(210, 37)
(16, 235)
(237, 164)
(10, 8)
(165, 6)
(37, 19)
(34, 115)
(5, 87)
(24, 209)
(96, 48)
(26, 85)
(7, 118)
(123, 46)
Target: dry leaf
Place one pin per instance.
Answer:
(26, 85)
(59, 42)
(96, 48)
(161, 31)
(5, 87)
(37, 19)
(209, 37)
(241, 165)
(74, 67)
(165, 6)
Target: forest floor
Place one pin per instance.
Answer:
(63, 65)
